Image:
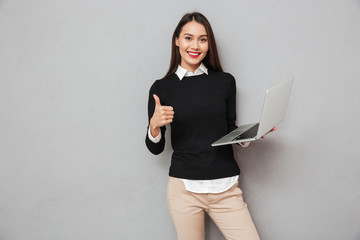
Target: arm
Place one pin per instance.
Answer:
(231, 106)
(155, 148)
(155, 139)
(159, 116)
(231, 111)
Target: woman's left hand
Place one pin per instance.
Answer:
(274, 128)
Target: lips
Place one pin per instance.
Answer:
(193, 54)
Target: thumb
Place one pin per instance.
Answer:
(157, 100)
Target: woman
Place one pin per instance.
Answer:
(198, 99)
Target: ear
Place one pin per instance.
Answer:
(177, 41)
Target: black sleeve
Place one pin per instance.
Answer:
(155, 148)
(231, 105)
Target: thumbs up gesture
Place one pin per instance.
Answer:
(162, 116)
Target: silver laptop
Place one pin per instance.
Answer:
(273, 113)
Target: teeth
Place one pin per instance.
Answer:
(194, 54)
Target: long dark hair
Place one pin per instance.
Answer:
(211, 59)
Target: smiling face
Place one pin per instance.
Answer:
(193, 45)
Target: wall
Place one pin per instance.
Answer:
(74, 81)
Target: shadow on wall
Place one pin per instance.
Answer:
(266, 158)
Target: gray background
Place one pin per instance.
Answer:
(74, 85)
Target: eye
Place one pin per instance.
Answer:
(203, 40)
(188, 38)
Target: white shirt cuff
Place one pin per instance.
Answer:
(244, 144)
(154, 139)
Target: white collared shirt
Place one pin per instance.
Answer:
(182, 72)
(200, 186)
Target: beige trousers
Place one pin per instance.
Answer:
(226, 209)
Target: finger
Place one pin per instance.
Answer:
(157, 100)
(169, 112)
(166, 113)
(167, 108)
(273, 129)
(167, 117)
(164, 122)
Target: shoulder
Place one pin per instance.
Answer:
(162, 83)
(223, 76)
(165, 80)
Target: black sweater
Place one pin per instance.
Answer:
(204, 110)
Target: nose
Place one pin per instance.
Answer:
(195, 45)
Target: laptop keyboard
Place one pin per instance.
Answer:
(251, 133)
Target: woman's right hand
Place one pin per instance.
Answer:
(162, 116)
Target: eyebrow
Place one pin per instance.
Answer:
(204, 35)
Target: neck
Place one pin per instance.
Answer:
(191, 68)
